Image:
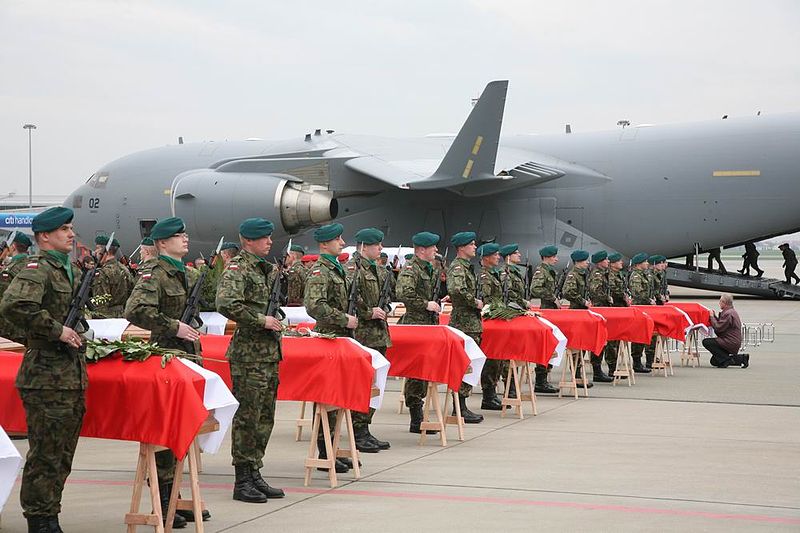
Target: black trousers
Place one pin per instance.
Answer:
(720, 357)
(788, 271)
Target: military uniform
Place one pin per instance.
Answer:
(616, 280)
(575, 287)
(465, 315)
(600, 296)
(7, 274)
(543, 285)
(51, 379)
(208, 291)
(492, 288)
(516, 285)
(640, 287)
(296, 274)
(115, 280)
(326, 296)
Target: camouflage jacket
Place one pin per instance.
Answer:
(243, 296)
(158, 301)
(639, 286)
(543, 284)
(599, 287)
(461, 287)
(415, 286)
(296, 274)
(208, 292)
(617, 282)
(8, 273)
(325, 298)
(656, 279)
(115, 280)
(575, 289)
(38, 300)
(491, 286)
(516, 285)
(371, 333)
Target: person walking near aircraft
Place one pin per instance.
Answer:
(296, 276)
(254, 353)
(415, 289)
(326, 301)
(543, 286)
(640, 289)
(372, 330)
(750, 260)
(19, 258)
(725, 346)
(466, 313)
(715, 255)
(157, 303)
(789, 263)
(600, 295)
(114, 281)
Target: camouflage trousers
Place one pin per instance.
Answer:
(54, 419)
(492, 372)
(255, 386)
(363, 420)
(648, 349)
(610, 353)
(415, 392)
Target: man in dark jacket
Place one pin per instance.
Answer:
(789, 263)
(725, 346)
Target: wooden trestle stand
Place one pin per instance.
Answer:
(568, 380)
(624, 368)
(332, 449)
(519, 373)
(690, 353)
(662, 359)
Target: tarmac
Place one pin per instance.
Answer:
(705, 450)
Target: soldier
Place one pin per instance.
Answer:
(543, 286)
(789, 263)
(466, 314)
(515, 275)
(659, 290)
(254, 353)
(52, 378)
(18, 251)
(157, 303)
(297, 276)
(600, 296)
(326, 299)
(616, 278)
(415, 287)
(112, 279)
(383, 261)
(147, 252)
(214, 271)
(372, 330)
(576, 291)
(640, 287)
(492, 288)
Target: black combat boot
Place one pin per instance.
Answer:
(542, 385)
(468, 416)
(579, 379)
(244, 489)
(341, 465)
(612, 367)
(188, 514)
(55, 527)
(39, 524)
(363, 444)
(263, 486)
(490, 400)
(637, 365)
(598, 375)
(512, 389)
(416, 420)
(164, 490)
(649, 358)
(381, 444)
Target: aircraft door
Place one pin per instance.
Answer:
(530, 222)
(569, 229)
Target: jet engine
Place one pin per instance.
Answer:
(214, 203)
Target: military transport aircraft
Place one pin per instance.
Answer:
(661, 189)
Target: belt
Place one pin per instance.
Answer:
(43, 343)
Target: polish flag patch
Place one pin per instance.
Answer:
(146, 276)
(32, 266)
(233, 266)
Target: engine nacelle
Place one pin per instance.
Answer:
(214, 203)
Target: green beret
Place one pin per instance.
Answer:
(102, 240)
(228, 245)
(641, 257)
(548, 251)
(166, 228)
(660, 259)
(21, 238)
(369, 236)
(425, 238)
(384, 255)
(463, 238)
(256, 228)
(148, 241)
(115, 243)
(408, 256)
(616, 256)
(488, 249)
(328, 232)
(579, 255)
(599, 256)
(508, 249)
(51, 219)
(296, 248)
(653, 259)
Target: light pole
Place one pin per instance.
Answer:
(30, 127)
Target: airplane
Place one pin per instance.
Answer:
(668, 189)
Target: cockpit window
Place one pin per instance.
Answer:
(98, 180)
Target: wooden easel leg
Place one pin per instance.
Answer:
(531, 385)
(458, 420)
(330, 449)
(197, 499)
(433, 391)
(583, 375)
(155, 494)
(402, 402)
(311, 460)
(348, 419)
(138, 483)
(298, 430)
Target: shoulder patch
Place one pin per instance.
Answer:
(457, 267)
(32, 265)
(316, 272)
(409, 266)
(146, 276)
(233, 266)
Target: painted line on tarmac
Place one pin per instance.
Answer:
(489, 500)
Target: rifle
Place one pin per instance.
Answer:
(352, 297)
(82, 298)
(277, 298)
(505, 285)
(191, 311)
(437, 287)
(586, 278)
(385, 297)
(528, 275)
(626, 283)
(476, 271)
(609, 297)
(561, 279)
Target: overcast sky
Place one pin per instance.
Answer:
(103, 78)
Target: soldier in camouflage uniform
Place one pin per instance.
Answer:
(112, 279)
(515, 275)
(415, 289)
(297, 276)
(18, 251)
(254, 353)
(466, 314)
(372, 330)
(492, 289)
(383, 262)
(157, 303)
(326, 299)
(619, 298)
(214, 271)
(600, 296)
(52, 378)
(660, 288)
(576, 292)
(544, 282)
(640, 287)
